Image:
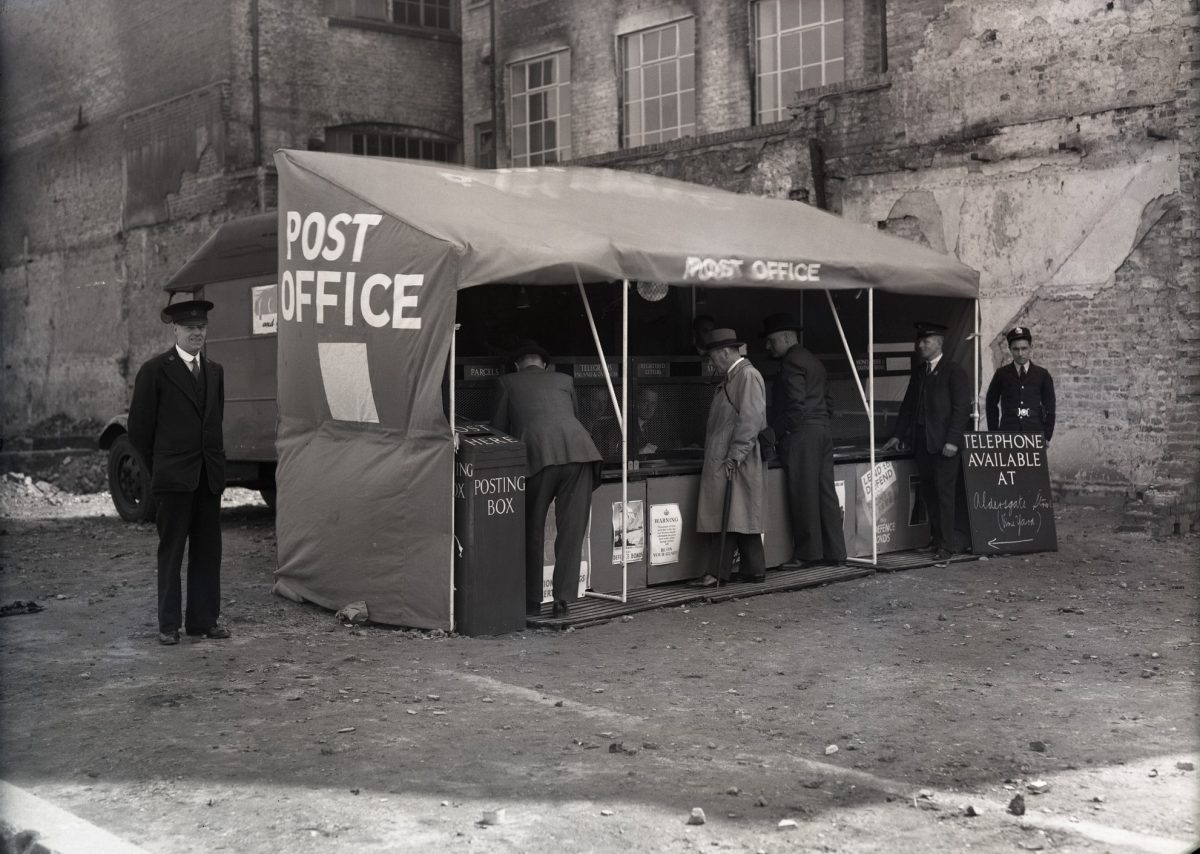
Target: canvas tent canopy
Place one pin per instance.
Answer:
(371, 255)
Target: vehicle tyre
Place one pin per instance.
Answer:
(268, 495)
(129, 483)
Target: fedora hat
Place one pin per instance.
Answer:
(780, 322)
(719, 338)
(529, 346)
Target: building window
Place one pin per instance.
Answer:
(485, 145)
(432, 14)
(390, 141)
(659, 90)
(798, 45)
(540, 112)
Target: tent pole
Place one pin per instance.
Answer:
(454, 441)
(871, 422)
(869, 405)
(625, 440)
(619, 407)
(975, 350)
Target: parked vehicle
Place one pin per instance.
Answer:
(237, 269)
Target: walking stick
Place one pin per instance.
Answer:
(724, 526)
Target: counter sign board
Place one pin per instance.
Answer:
(1007, 482)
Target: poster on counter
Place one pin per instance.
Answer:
(635, 530)
(585, 557)
(666, 532)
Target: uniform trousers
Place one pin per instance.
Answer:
(813, 507)
(192, 519)
(750, 546)
(941, 489)
(569, 486)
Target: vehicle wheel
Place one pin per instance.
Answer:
(268, 495)
(129, 483)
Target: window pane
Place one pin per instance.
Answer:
(549, 136)
(652, 116)
(537, 107)
(687, 73)
(812, 77)
(835, 72)
(633, 51)
(562, 68)
(650, 138)
(810, 45)
(789, 13)
(535, 75)
(552, 103)
(519, 115)
(649, 47)
(358, 145)
(768, 55)
(768, 102)
(551, 157)
(633, 86)
(833, 41)
(414, 149)
(789, 50)
(520, 145)
(768, 10)
(668, 81)
(633, 120)
(535, 138)
(687, 36)
(535, 159)
(687, 109)
(670, 113)
(564, 137)
(650, 82)
(518, 79)
(789, 85)
(564, 100)
(833, 10)
(548, 71)
(667, 42)
(810, 11)
(372, 145)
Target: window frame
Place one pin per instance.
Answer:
(520, 110)
(634, 110)
(830, 69)
(382, 14)
(372, 138)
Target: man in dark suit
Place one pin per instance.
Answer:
(537, 405)
(1020, 398)
(801, 409)
(933, 417)
(175, 425)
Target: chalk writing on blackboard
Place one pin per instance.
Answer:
(1008, 492)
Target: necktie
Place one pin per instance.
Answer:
(196, 369)
(928, 368)
(1021, 372)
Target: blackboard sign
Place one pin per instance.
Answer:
(1007, 482)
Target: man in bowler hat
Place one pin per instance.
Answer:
(933, 417)
(537, 405)
(801, 409)
(1020, 398)
(732, 461)
(175, 425)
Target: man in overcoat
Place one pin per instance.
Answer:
(1020, 397)
(732, 459)
(537, 405)
(175, 424)
(933, 417)
(801, 409)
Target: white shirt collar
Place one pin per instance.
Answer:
(933, 363)
(186, 356)
(740, 359)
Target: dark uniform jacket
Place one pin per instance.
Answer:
(800, 394)
(176, 432)
(538, 407)
(1021, 405)
(942, 400)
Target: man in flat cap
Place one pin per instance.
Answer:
(537, 405)
(732, 458)
(933, 417)
(175, 425)
(801, 409)
(1020, 398)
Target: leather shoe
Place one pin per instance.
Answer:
(216, 633)
(704, 581)
(561, 609)
(168, 638)
(943, 555)
(747, 579)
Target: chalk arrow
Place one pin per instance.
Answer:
(997, 543)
